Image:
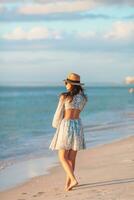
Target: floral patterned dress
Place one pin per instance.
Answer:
(69, 132)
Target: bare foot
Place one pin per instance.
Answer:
(67, 183)
(73, 184)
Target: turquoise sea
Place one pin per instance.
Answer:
(26, 115)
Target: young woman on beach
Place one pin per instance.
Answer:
(69, 136)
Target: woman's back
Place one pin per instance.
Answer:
(72, 109)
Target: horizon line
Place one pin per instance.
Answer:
(44, 84)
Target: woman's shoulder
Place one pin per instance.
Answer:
(61, 97)
(82, 95)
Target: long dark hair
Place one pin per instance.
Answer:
(76, 89)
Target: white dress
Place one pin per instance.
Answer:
(69, 132)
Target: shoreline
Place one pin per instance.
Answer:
(21, 166)
(110, 166)
(24, 170)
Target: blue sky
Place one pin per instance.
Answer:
(40, 43)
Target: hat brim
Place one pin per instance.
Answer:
(73, 83)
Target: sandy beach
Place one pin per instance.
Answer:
(104, 172)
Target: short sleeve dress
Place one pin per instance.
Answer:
(69, 132)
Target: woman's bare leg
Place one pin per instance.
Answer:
(71, 156)
(67, 177)
(68, 169)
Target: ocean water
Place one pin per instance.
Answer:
(26, 115)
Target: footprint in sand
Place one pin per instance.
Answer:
(57, 194)
(24, 193)
(35, 195)
(38, 194)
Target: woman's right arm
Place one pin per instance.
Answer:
(59, 113)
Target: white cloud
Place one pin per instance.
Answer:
(102, 2)
(28, 10)
(35, 33)
(17, 34)
(121, 30)
(57, 7)
(40, 7)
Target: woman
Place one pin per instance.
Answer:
(69, 136)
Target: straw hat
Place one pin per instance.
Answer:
(74, 79)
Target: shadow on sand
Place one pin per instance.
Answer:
(105, 183)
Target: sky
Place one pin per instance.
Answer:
(42, 41)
